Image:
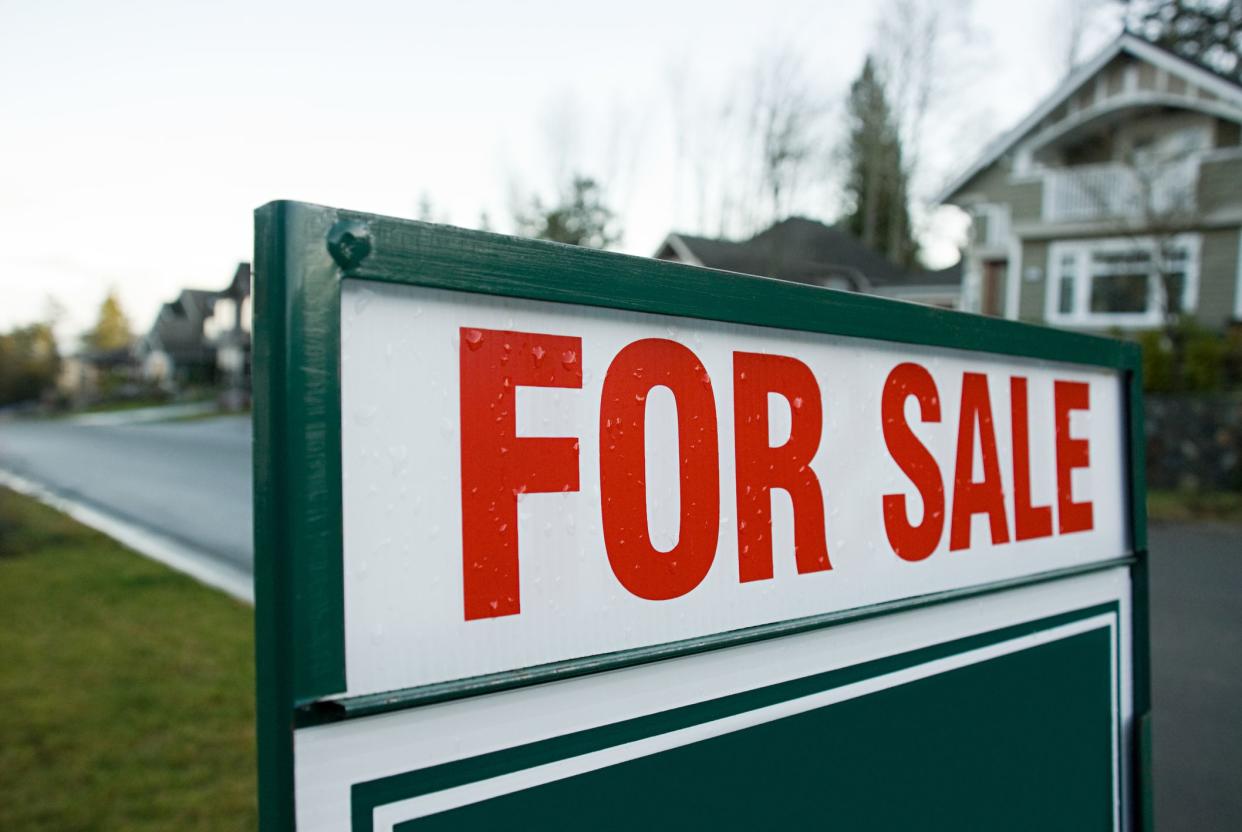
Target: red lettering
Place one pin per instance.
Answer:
(916, 462)
(1071, 453)
(641, 569)
(986, 496)
(760, 467)
(1028, 521)
(497, 465)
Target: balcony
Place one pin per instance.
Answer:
(1141, 192)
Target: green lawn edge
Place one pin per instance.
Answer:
(1193, 506)
(128, 687)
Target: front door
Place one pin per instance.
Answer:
(993, 287)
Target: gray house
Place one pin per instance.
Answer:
(807, 251)
(1117, 199)
(202, 337)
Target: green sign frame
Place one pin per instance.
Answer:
(304, 253)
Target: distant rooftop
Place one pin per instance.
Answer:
(806, 251)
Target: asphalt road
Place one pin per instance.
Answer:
(188, 480)
(1196, 652)
(191, 481)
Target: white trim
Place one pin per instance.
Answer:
(330, 758)
(1126, 101)
(1221, 154)
(1163, 61)
(1081, 251)
(1237, 291)
(679, 247)
(1192, 74)
(388, 816)
(998, 146)
(1013, 278)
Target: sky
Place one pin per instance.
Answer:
(137, 138)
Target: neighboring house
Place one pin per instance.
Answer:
(201, 337)
(86, 374)
(1118, 198)
(806, 251)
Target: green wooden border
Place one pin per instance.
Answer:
(298, 579)
(367, 796)
(299, 607)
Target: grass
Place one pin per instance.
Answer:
(127, 687)
(1183, 506)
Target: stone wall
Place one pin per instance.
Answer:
(1194, 441)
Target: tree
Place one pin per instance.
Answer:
(876, 184)
(29, 362)
(1207, 31)
(111, 330)
(1150, 194)
(784, 116)
(580, 217)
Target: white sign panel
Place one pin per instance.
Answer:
(528, 482)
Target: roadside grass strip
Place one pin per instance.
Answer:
(1183, 507)
(128, 688)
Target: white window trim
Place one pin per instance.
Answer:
(1013, 278)
(1081, 251)
(1237, 292)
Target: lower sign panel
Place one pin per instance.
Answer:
(1005, 712)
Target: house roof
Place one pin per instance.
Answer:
(1141, 48)
(806, 251)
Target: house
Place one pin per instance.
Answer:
(1116, 202)
(807, 251)
(202, 337)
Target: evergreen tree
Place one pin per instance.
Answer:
(876, 183)
(580, 218)
(111, 330)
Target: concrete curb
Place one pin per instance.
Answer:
(143, 415)
(185, 559)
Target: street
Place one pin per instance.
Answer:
(187, 480)
(191, 480)
(1196, 654)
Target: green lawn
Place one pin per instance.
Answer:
(127, 688)
(1179, 506)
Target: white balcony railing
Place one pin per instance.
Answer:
(1117, 191)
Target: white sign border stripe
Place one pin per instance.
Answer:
(386, 817)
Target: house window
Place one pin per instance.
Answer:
(1065, 284)
(1121, 282)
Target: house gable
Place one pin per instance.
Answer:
(1129, 73)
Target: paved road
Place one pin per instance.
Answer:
(188, 480)
(1196, 647)
(191, 480)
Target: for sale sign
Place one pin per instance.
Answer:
(554, 538)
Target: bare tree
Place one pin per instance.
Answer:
(1149, 194)
(784, 117)
(1076, 24)
(925, 52)
(590, 163)
(752, 152)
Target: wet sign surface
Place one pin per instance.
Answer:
(550, 537)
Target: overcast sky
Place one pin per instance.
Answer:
(136, 138)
